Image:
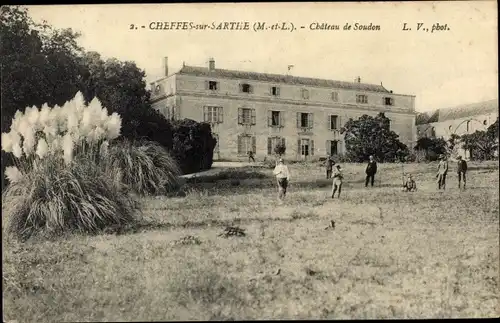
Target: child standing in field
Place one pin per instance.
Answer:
(282, 177)
(337, 181)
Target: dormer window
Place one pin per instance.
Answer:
(212, 85)
(246, 88)
(305, 94)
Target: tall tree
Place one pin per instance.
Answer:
(38, 63)
(372, 136)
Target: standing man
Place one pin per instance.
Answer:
(442, 172)
(371, 170)
(461, 170)
(329, 165)
(337, 181)
(282, 176)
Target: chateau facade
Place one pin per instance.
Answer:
(253, 111)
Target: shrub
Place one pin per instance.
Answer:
(280, 148)
(61, 180)
(193, 145)
(146, 166)
(54, 197)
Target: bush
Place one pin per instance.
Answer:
(146, 167)
(145, 123)
(71, 172)
(193, 145)
(54, 198)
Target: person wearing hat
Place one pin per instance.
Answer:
(371, 170)
(337, 181)
(282, 177)
(442, 172)
(461, 170)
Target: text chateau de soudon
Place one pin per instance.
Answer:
(253, 111)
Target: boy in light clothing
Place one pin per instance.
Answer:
(337, 180)
(282, 176)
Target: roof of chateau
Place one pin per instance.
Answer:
(458, 112)
(280, 78)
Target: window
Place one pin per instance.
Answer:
(246, 143)
(246, 116)
(335, 96)
(304, 120)
(333, 122)
(213, 85)
(305, 94)
(388, 101)
(275, 119)
(213, 114)
(246, 88)
(449, 128)
(468, 126)
(275, 91)
(485, 122)
(332, 147)
(272, 142)
(361, 98)
(433, 132)
(305, 147)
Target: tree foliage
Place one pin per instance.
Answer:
(432, 147)
(38, 64)
(482, 145)
(193, 145)
(372, 136)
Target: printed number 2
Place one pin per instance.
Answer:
(132, 26)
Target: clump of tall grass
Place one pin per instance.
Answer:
(53, 198)
(147, 168)
(60, 180)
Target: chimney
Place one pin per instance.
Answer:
(165, 66)
(211, 64)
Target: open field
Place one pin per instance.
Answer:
(426, 254)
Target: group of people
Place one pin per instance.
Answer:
(334, 172)
(443, 172)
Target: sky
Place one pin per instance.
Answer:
(442, 69)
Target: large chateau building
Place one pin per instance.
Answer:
(459, 120)
(253, 111)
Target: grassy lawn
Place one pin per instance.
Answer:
(427, 254)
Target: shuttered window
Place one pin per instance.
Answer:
(213, 114)
(246, 143)
(305, 120)
(246, 116)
